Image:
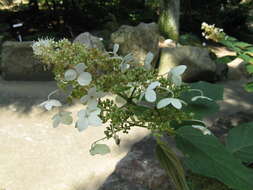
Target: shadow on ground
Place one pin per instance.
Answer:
(22, 96)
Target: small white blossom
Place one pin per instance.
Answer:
(175, 74)
(175, 102)
(91, 96)
(39, 46)
(70, 75)
(115, 49)
(49, 104)
(150, 94)
(148, 60)
(88, 117)
(84, 79)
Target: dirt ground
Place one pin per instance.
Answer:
(36, 156)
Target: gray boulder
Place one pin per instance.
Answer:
(139, 170)
(138, 40)
(90, 41)
(19, 63)
(198, 62)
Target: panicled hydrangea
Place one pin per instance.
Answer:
(41, 45)
(212, 32)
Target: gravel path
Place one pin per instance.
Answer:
(35, 156)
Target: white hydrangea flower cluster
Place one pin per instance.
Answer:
(175, 75)
(90, 115)
(211, 32)
(41, 45)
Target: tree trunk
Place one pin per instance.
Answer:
(169, 18)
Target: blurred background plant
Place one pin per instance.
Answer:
(67, 18)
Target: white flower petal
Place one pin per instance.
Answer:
(163, 103)
(141, 96)
(115, 48)
(84, 79)
(178, 70)
(153, 85)
(177, 80)
(82, 124)
(92, 91)
(56, 122)
(128, 58)
(124, 67)
(120, 101)
(148, 60)
(150, 95)
(203, 129)
(92, 105)
(200, 97)
(84, 99)
(80, 67)
(70, 75)
(94, 120)
(51, 103)
(82, 113)
(176, 103)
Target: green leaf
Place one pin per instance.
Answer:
(227, 43)
(225, 59)
(249, 87)
(249, 68)
(246, 58)
(240, 142)
(172, 165)
(205, 155)
(230, 45)
(242, 44)
(101, 149)
(212, 91)
(250, 48)
(201, 108)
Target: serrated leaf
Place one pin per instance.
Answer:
(101, 149)
(205, 155)
(240, 142)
